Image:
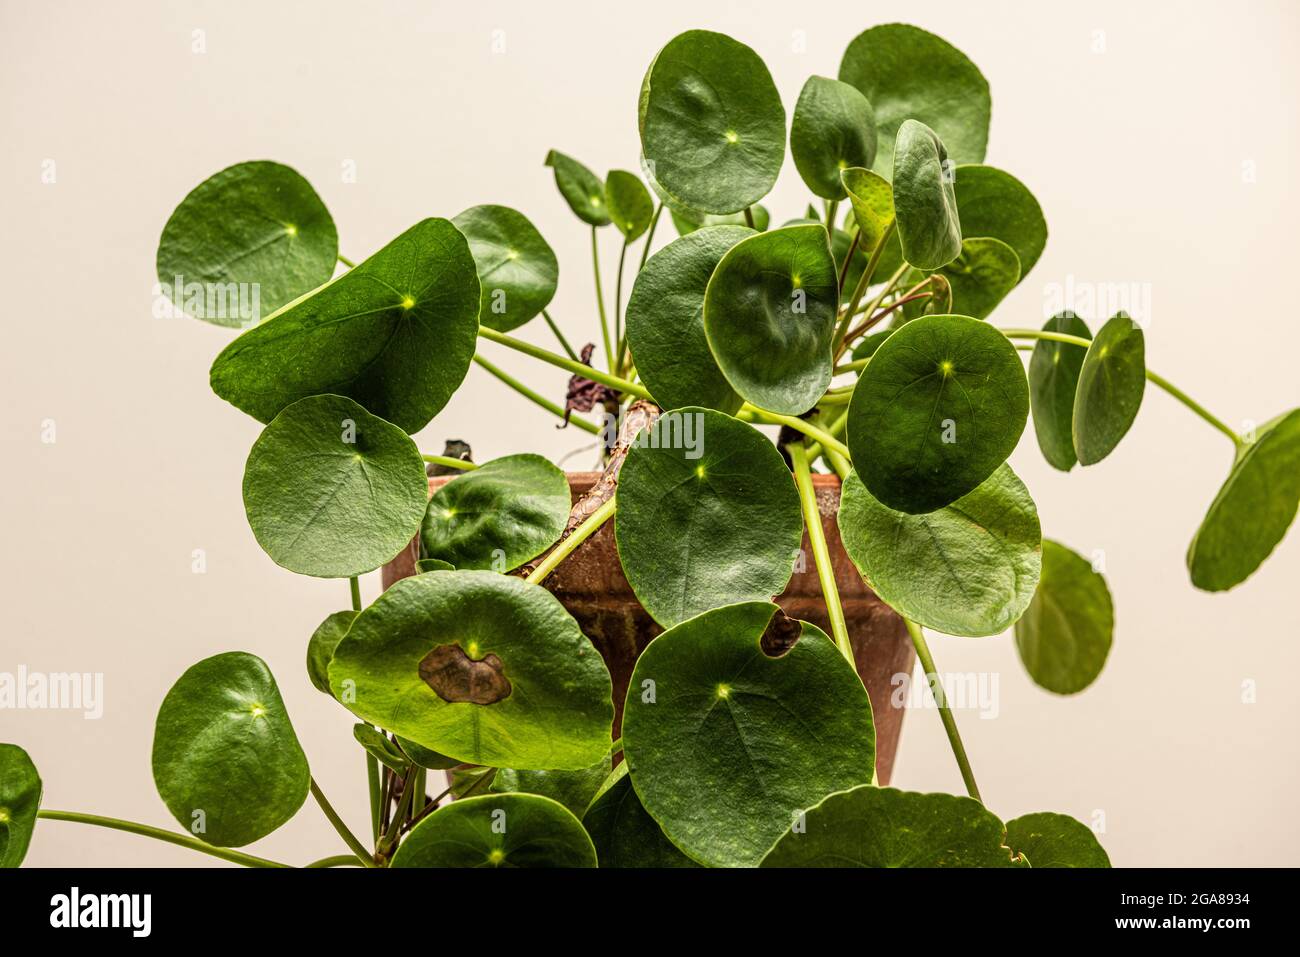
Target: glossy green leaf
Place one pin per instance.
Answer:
(20, 799)
(940, 406)
(1055, 840)
(498, 830)
(968, 568)
(689, 222)
(1053, 380)
(868, 344)
(333, 491)
(908, 73)
(397, 334)
(425, 757)
(665, 322)
(994, 203)
(711, 122)
(1109, 394)
(581, 188)
(769, 315)
(481, 667)
(573, 789)
(423, 565)
(872, 201)
(382, 747)
(833, 129)
(924, 202)
(630, 205)
(320, 649)
(259, 226)
(499, 515)
(871, 826)
(982, 275)
(726, 743)
(517, 270)
(1253, 509)
(624, 834)
(707, 515)
(226, 760)
(1065, 634)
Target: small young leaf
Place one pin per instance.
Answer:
(982, 275)
(769, 314)
(573, 789)
(908, 73)
(1252, 510)
(20, 799)
(833, 129)
(320, 649)
(689, 222)
(1055, 840)
(924, 202)
(624, 834)
(968, 568)
(872, 200)
(476, 666)
(333, 491)
(425, 757)
(707, 515)
(378, 744)
(1111, 383)
(941, 405)
(397, 334)
(498, 830)
(258, 224)
(1053, 381)
(665, 322)
(630, 205)
(726, 742)
(711, 122)
(871, 826)
(226, 760)
(994, 203)
(498, 516)
(517, 270)
(581, 188)
(1065, 634)
(423, 565)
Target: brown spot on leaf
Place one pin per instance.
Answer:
(780, 634)
(455, 676)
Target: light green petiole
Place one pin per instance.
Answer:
(567, 547)
(812, 520)
(158, 833)
(945, 713)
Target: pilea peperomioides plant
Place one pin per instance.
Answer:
(746, 736)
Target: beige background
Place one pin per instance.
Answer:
(1135, 124)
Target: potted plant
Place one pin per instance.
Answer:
(683, 659)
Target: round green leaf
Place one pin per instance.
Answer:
(20, 799)
(333, 491)
(1055, 840)
(580, 187)
(498, 830)
(982, 275)
(870, 826)
(517, 271)
(908, 73)
(940, 406)
(1065, 634)
(711, 123)
(665, 322)
(226, 760)
(481, 667)
(994, 203)
(968, 568)
(769, 314)
(924, 202)
(497, 516)
(1253, 509)
(1111, 382)
(872, 201)
(707, 515)
(320, 649)
(254, 237)
(833, 129)
(688, 222)
(726, 743)
(624, 834)
(1053, 380)
(397, 334)
(573, 789)
(630, 205)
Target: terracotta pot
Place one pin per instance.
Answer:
(591, 584)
